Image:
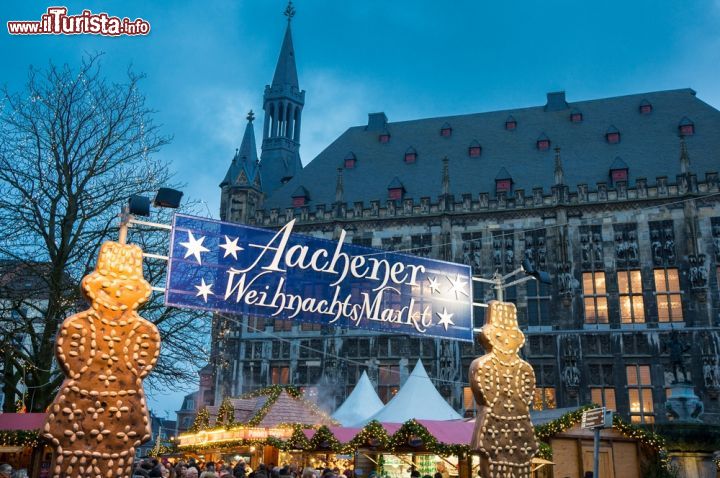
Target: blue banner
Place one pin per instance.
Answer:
(237, 269)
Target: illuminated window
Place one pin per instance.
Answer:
(603, 396)
(595, 298)
(410, 156)
(544, 398)
(503, 185)
(632, 307)
(510, 123)
(468, 402)
(619, 174)
(446, 131)
(667, 293)
(645, 107)
(384, 138)
(576, 117)
(395, 193)
(279, 375)
(282, 325)
(298, 201)
(686, 127)
(306, 327)
(300, 197)
(640, 393)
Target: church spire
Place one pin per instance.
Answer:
(283, 103)
(243, 170)
(285, 70)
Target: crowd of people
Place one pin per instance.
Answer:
(152, 467)
(6, 471)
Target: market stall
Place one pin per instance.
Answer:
(20, 444)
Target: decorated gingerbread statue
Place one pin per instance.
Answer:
(99, 415)
(503, 386)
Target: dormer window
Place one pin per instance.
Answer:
(475, 149)
(510, 123)
(612, 136)
(384, 138)
(300, 197)
(503, 182)
(395, 189)
(576, 116)
(503, 185)
(410, 156)
(645, 107)
(350, 161)
(686, 127)
(446, 130)
(543, 143)
(618, 170)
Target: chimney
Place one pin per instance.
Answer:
(556, 101)
(377, 122)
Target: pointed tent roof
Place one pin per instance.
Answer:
(360, 405)
(418, 399)
(286, 71)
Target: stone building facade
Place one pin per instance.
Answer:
(618, 199)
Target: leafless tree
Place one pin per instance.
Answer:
(73, 148)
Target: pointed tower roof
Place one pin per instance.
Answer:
(418, 399)
(286, 71)
(362, 403)
(243, 170)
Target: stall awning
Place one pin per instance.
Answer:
(22, 421)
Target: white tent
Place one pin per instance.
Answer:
(419, 399)
(360, 405)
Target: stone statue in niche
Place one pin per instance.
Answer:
(503, 386)
(542, 251)
(632, 246)
(698, 273)
(656, 246)
(100, 416)
(585, 247)
(669, 245)
(597, 247)
(509, 253)
(566, 281)
(676, 347)
(497, 251)
(571, 373)
(620, 246)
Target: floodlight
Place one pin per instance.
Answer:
(167, 197)
(139, 205)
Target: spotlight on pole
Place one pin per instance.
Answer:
(167, 197)
(139, 205)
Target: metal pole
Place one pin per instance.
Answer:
(596, 454)
(125, 218)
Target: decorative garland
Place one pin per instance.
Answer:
(23, 438)
(226, 414)
(201, 422)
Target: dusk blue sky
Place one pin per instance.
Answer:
(207, 63)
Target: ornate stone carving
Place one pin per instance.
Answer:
(626, 245)
(716, 237)
(535, 249)
(566, 281)
(662, 242)
(570, 373)
(698, 271)
(472, 250)
(99, 416)
(503, 386)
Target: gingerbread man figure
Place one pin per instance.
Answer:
(99, 415)
(503, 386)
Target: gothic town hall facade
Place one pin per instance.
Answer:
(617, 198)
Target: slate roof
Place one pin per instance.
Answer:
(282, 409)
(285, 70)
(649, 145)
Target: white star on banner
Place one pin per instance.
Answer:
(458, 286)
(231, 247)
(434, 286)
(445, 317)
(194, 247)
(204, 290)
